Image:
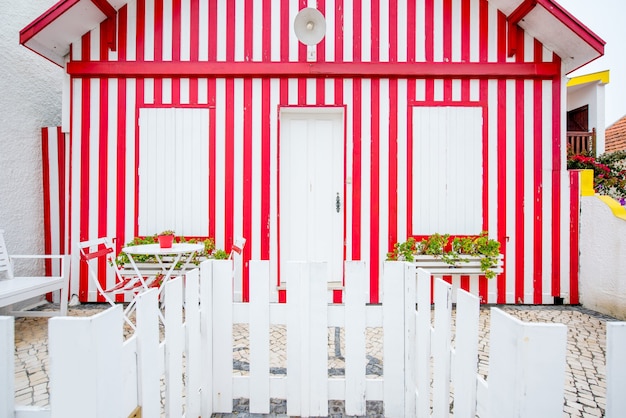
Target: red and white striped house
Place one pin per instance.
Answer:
(410, 117)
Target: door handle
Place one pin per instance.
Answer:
(338, 203)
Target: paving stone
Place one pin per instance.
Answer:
(585, 377)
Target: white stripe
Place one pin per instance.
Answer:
(383, 24)
(529, 195)
(76, 180)
(366, 138)
(547, 192)
(492, 149)
(148, 90)
(184, 91)
(401, 159)
(311, 91)
(257, 30)
(239, 30)
(420, 44)
(203, 31)
(166, 90)
(348, 32)
(54, 188)
(349, 109)
(238, 159)
(366, 30)
(203, 94)
(221, 31)
(275, 33)
(383, 163)
(131, 31)
(131, 120)
(437, 31)
(329, 39)
(167, 30)
(291, 36)
(474, 41)
(401, 30)
(455, 21)
(149, 32)
(220, 134)
(257, 167)
(185, 30)
(511, 204)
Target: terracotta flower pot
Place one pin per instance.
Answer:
(165, 241)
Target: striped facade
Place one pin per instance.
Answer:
(241, 60)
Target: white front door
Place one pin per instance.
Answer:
(311, 199)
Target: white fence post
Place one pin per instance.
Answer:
(441, 349)
(465, 365)
(222, 335)
(393, 338)
(149, 363)
(615, 369)
(7, 366)
(423, 337)
(526, 367)
(355, 328)
(193, 350)
(259, 329)
(174, 340)
(206, 336)
(307, 339)
(93, 346)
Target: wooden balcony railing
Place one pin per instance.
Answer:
(582, 142)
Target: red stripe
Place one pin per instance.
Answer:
(194, 30)
(502, 149)
(120, 216)
(519, 178)
(574, 234)
(392, 192)
(465, 45)
(212, 18)
(375, 192)
(556, 184)
(61, 164)
(84, 169)
(265, 171)
(357, 16)
(284, 32)
(176, 29)
(538, 183)
(47, 203)
(447, 46)
(229, 157)
(247, 182)
(356, 168)
(267, 31)
(158, 47)
(302, 48)
(339, 9)
(103, 168)
(465, 283)
(212, 196)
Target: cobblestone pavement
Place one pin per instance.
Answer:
(585, 377)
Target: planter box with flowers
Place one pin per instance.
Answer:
(460, 256)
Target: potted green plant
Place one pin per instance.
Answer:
(166, 238)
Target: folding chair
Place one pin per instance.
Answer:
(93, 250)
(238, 245)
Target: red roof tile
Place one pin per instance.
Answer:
(615, 136)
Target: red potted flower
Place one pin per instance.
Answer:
(166, 238)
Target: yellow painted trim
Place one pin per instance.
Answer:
(618, 210)
(601, 76)
(586, 183)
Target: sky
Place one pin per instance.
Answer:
(606, 19)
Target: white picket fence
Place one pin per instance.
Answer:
(95, 372)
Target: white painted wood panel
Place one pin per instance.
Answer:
(173, 173)
(447, 170)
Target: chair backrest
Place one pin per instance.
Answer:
(238, 245)
(5, 261)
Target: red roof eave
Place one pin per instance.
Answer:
(574, 24)
(45, 19)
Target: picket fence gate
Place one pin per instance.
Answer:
(95, 372)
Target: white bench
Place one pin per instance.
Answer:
(16, 289)
(468, 265)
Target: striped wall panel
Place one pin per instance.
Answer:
(526, 195)
(55, 151)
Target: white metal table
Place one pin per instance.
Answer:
(180, 252)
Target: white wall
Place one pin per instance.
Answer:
(591, 94)
(602, 258)
(30, 100)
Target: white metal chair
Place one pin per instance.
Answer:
(103, 248)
